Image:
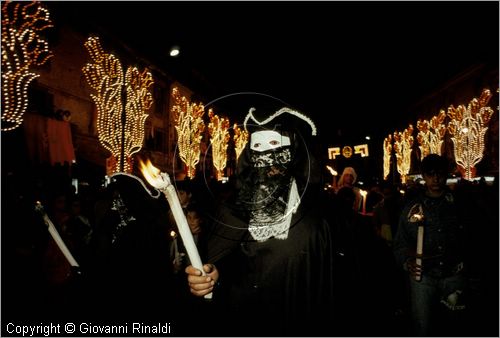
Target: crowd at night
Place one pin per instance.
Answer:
(319, 177)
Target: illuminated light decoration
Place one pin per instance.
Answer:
(121, 135)
(387, 155)
(333, 152)
(22, 48)
(347, 151)
(403, 143)
(189, 124)
(240, 138)
(218, 128)
(431, 134)
(362, 149)
(468, 147)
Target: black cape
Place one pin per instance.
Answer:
(274, 287)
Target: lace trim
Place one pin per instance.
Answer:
(273, 158)
(277, 228)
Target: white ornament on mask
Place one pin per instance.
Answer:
(278, 113)
(267, 139)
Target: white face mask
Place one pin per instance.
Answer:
(267, 139)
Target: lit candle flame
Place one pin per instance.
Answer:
(417, 213)
(331, 170)
(153, 175)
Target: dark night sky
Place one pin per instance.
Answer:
(347, 64)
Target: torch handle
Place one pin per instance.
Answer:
(420, 247)
(57, 238)
(184, 230)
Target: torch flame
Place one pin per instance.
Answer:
(416, 213)
(331, 170)
(153, 175)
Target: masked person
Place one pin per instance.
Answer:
(269, 256)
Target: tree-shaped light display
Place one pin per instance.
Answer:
(218, 129)
(121, 101)
(467, 128)
(22, 48)
(431, 134)
(188, 118)
(403, 143)
(240, 139)
(387, 155)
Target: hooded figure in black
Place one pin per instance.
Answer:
(131, 278)
(269, 256)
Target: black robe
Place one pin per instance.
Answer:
(274, 287)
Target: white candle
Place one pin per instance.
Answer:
(363, 196)
(161, 181)
(182, 225)
(420, 247)
(57, 238)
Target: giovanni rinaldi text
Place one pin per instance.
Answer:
(87, 328)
